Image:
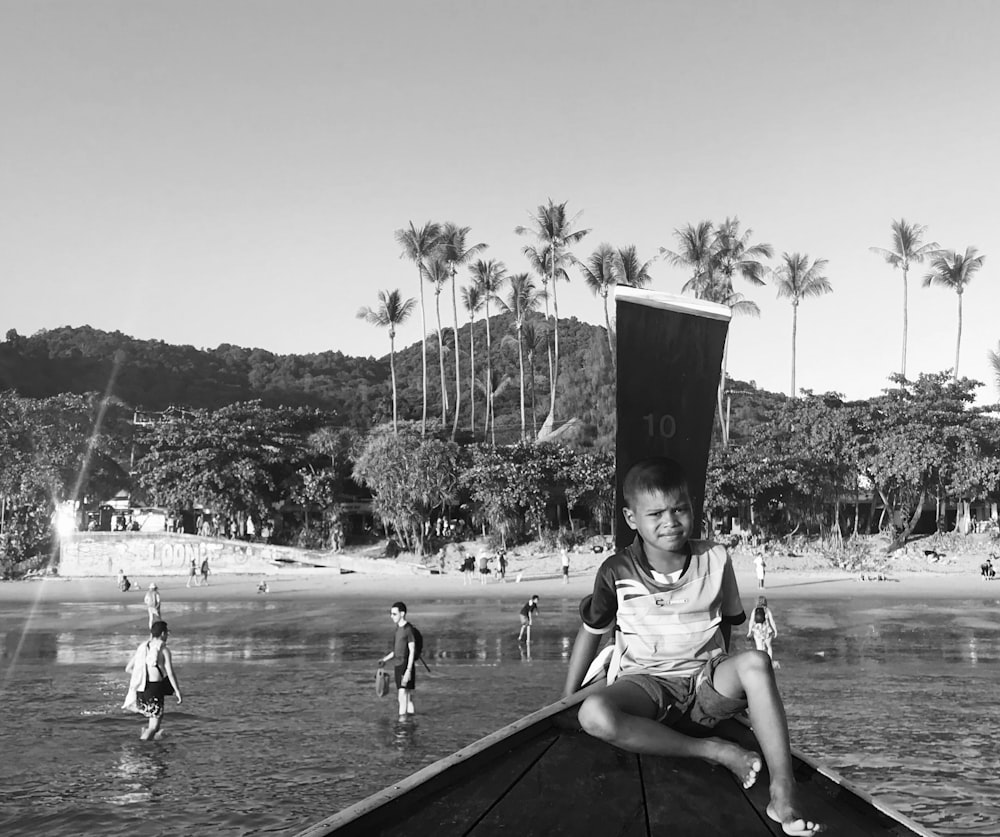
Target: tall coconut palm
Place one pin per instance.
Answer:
(733, 255)
(599, 275)
(994, 359)
(551, 228)
(437, 273)
(454, 251)
(522, 298)
(797, 280)
(419, 246)
(954, 270)
(630, 269)
(472, 299)
(489, 277)
(545, 264)
(533, 340)
(694, 251)
(392, 310)
(907, 249)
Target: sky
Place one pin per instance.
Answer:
(232, 171)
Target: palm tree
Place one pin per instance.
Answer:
(907, 249)
(553, 230)
(472, 298)
(522, 297)
(436, 272)
(994, 359)
(419, 247)
(695, 252)
(490, 277)
(954, 270)
(598, 273)
(533, 340)
(797, 280)
(391, 311)
(715, 256)
(454, 251)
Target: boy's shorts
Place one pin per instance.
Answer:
(688, 700)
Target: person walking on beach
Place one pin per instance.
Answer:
(404, 659)
(762, 628)
(152, 600)
(484, 568)
(153, 678)
(502, 564)
(759, 566)
(192, 573)
(671, 603)
(565, 563)
(527, 614)
(204, 571)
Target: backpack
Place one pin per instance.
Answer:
(759, 615)
(418, 645)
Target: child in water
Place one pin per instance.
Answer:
(762, 628)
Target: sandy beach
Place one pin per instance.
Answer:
(792, 578)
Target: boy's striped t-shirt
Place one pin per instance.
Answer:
(664, 627)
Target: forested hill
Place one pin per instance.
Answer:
(153, 375)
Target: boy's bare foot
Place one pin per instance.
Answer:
(744, 764)
(783, 810)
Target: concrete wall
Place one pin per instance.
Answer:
(145, 554)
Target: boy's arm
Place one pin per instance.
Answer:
(584, 649)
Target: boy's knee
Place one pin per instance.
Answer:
(596, 716)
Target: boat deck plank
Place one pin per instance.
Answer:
(693, 797)
(580, 786)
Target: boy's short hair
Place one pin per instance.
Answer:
(400, 606)
(157, 629)
(657, 473)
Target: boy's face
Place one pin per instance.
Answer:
(664, 520)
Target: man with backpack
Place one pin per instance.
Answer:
(407, 647)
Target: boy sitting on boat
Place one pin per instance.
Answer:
(672, 603)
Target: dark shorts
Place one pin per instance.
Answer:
(400, 671)
(149, 703)
(525, 620)
(682, 701)
(565, 570)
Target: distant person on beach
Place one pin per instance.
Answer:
(759, 567)
(192, 573)
(153, 678)
(204, 571)
(404, 659)
(672, 602)
(762, 628)
(986, 569)
(502, 564)
(484, 568)
(565, 564)
(262, 586)
(468, 568)
(123, 583)
(152, 600)
(527, 614)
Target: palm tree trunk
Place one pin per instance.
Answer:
(392, 372)
(423, 347)
(795, 326)
(958, 343)
(520, 363)
(902, 368)
(531, 381)
(472, 373)
(444, 392)
(458, 371)
(555, 335)
(611, 340)
(489, 379)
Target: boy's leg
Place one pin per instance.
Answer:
(623, 715)
(409, 702)
(750, 673)
(401, 698)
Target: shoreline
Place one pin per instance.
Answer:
(331, 585)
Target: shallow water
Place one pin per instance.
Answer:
(280, 725)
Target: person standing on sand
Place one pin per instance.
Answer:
(152, 600)
(759, 566)
(565, 564)
(204, 571)
(152, 670)
(484, 568)
(192, 573)
(404, 659)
